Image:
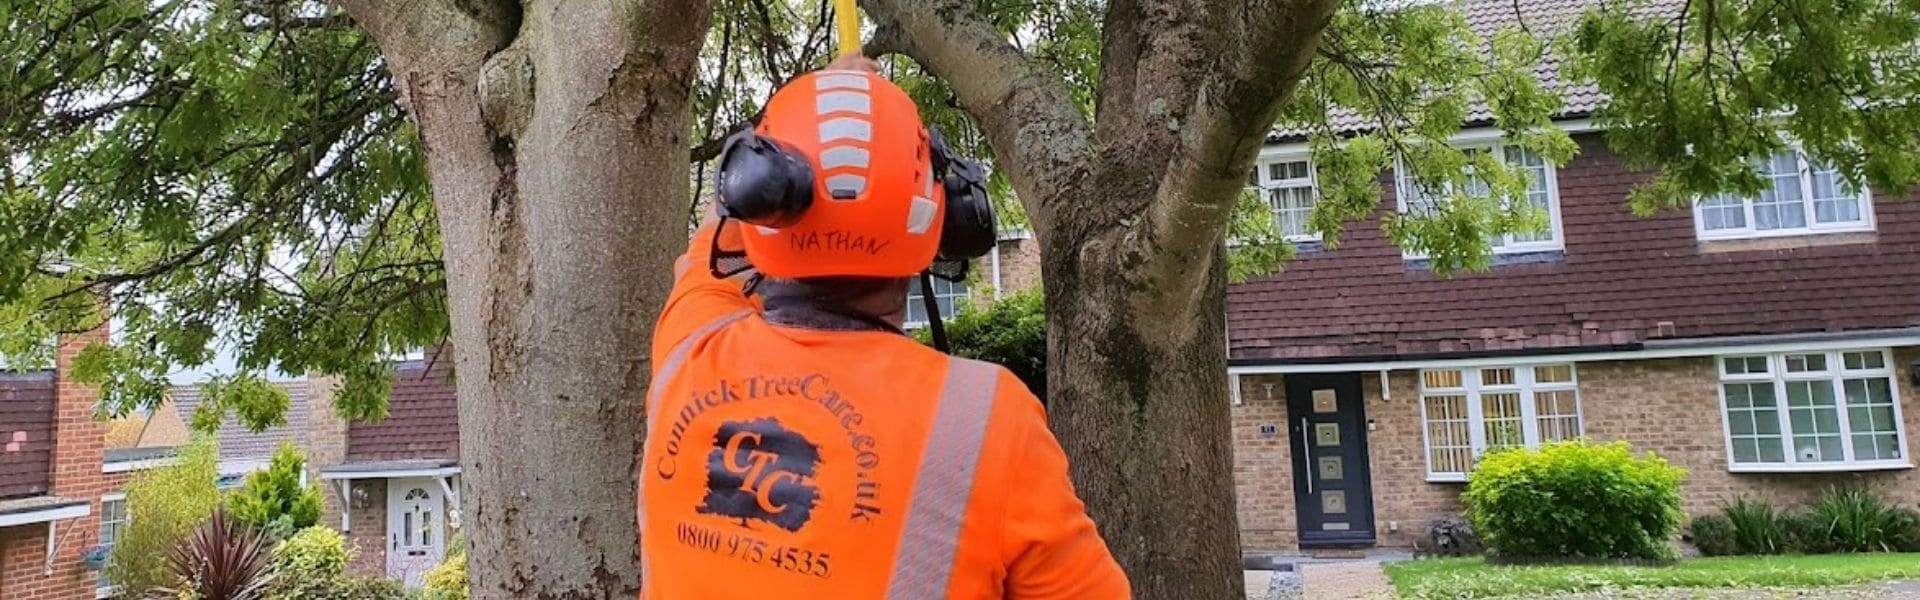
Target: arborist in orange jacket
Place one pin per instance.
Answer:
(805, 448)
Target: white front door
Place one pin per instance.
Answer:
(416, 529)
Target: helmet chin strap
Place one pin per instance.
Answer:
(934, 324)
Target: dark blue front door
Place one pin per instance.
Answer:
(1332, 483)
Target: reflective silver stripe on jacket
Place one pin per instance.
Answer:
(923, 565)
(668, 369)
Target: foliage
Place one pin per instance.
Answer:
(1714, 535)
(310, 563)
(448, 580)
(1575, 500)
(221, 174)
(164, 505)
(1855, 519)
(1010, 332)
(223, 559)
(1805, 533)
(1453, 578)
(274, 498)
(1256, 246)
(1758, 528)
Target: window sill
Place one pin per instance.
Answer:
(1446, 478)
(1500, 259)
(1822, 468)
(1787, 241)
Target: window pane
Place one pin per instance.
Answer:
(1553, 374)
(1448, 378)
(1723, 212)
(1557, 415)
(1753, 421)
(1501, 418)
(1801, 363)
(1832, 201)
(1744, 365)
(1781, 206)
(1496, 376)
(1815, 419)
(1448, 441)
(1865, 360)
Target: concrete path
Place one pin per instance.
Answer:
(1345, 580)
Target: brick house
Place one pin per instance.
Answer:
(393, 485)
(1770, 346)
(51, 479)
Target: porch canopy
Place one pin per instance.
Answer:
(33, 510)
(442, 470)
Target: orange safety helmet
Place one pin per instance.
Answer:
(874, 209)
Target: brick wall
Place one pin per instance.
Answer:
(1019, 264)
(369, 535)
(79, 442)
(325, 442)
(1670, 407)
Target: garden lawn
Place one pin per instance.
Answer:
(1474, 578)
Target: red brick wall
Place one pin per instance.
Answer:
(77, 452)
(1670, 407)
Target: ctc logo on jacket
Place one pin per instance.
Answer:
(792, 461)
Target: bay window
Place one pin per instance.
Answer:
(1466, 412)
(1812, 411)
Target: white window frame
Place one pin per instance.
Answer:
(1402, 179)
(102, 588)
(1471, 388)
(913, 300)
(1835, 373)
(1814, 226)
(1266, 183)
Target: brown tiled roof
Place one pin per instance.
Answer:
(1546, 20)
(1619, 278)
(422, 420)
(237, 443)
(26, 432)
(163, 427)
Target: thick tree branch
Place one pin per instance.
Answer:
(1038, 134)
(1264, 52)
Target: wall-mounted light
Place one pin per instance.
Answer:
(1913, 373)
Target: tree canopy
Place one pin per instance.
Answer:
(241, 175)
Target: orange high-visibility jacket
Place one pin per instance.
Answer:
(793, 463)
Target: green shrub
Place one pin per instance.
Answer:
(1714, 535)
(310, 563)
(1905, 536)
(1575, 500)
(1756, 527)
(1856, 520)
(1011, 332)
(447, 580)
(274, 499)
(1805, 533)
(355, 588)
(164, 505)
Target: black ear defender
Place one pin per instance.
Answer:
(762, 181)
(969, 230)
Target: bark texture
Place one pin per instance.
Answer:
(555, 136)
(1131, 208)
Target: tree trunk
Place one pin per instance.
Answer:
(1142, 413)
(556, 145)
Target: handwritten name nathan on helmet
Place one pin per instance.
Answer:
(834, 240)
